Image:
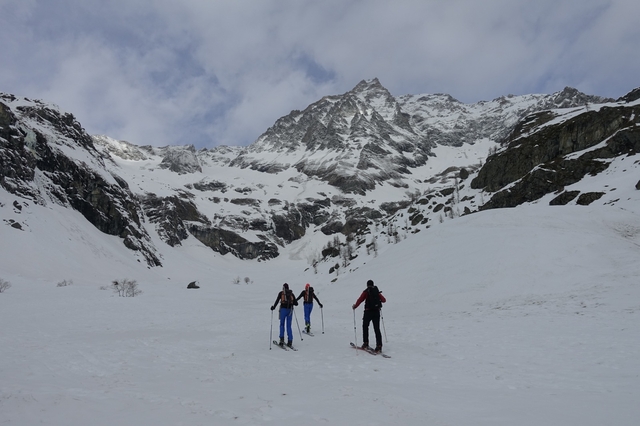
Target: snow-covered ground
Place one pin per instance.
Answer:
(525, 316)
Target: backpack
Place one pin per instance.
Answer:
(287, 297)
(308, 295)
(373, 298)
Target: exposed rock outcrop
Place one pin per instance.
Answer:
(225, 241)
(171, 214)
(181, 160)
(538, 164)
(36, 141)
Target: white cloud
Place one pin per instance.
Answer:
(220, 72)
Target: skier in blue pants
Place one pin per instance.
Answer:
(308, 295)
(287, 301)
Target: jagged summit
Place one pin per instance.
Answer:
(365, 85)
(366, 136)
(632, 96)
(369, 89)
(570, 96)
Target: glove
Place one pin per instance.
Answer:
(295, 303)
(353, 307)
(320, 305)
(273, 308)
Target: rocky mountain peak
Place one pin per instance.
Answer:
(368, 85)
(366, 136)
(570, 96)
(632, 96)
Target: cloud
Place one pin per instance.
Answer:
(211, 72)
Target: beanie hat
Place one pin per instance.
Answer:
(370, 283)
(285, 286)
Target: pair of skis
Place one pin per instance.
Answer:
(353, 345)
(368, 350)
(283, 346)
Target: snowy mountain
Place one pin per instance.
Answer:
(525, 315)
(356, 168)
(366, 136)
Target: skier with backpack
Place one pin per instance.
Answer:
(287, 301)
(308, 295)
(373, 300)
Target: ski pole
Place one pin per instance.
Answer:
(355, 333)
(296, 317)
(383, 327)
(271, 331)
(322, 316)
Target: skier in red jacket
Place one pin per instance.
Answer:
(373, 300)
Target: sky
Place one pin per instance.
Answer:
(209, 72)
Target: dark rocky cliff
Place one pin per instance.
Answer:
(539, 163)
(34, 165)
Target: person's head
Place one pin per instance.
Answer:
(306, 287)
(285, 286)
(370, 283)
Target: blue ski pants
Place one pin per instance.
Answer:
(308, 307)
(286, 315)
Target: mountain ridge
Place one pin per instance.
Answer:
(380, 138)
(357, 167)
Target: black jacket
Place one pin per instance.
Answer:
(307, 297)
(286, 301)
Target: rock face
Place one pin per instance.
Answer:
(564, 198)
(170, 214)
(632, 96)
(537, 161)
(224, 242)
(40, 161)
(181, 160)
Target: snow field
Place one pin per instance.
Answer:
(521, 316)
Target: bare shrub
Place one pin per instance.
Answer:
(126, 288)
(4, 285)
(64, 283)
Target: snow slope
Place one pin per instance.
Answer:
(523, 316)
